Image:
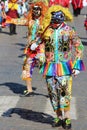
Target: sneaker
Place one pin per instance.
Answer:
(57, 122)
(66, 124)
(27, 94)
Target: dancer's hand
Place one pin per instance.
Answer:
(75, 72)
(33, 46)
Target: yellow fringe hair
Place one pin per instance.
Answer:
(54, 8)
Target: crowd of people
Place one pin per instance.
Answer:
(14, 9)
(50, 44)
(19, 8)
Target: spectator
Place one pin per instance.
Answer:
(85, 23)
(22, 8)
(12, 11)
(64, 3)
(1, 14)
(77, 6)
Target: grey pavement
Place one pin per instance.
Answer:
(35, 113)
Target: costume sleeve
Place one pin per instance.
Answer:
(79, 48)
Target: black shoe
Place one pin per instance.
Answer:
(15, 33)
(10, 34)
(57, 122)
(27, 94)
(66, 124)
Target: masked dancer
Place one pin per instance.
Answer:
(35, 17)
(63, 57)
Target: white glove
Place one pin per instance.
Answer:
(75, 72)
(33, 46)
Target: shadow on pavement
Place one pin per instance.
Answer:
(29, 115)
(21, 44)
(21, 49)
(15, 87)
(5, 32)
(19, 88)
(21, 56)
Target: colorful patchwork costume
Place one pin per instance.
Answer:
(63, 53)
(35, 17)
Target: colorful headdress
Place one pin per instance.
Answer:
(46, 21)
(44, 9)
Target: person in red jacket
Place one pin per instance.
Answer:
(64, 3)
(13, 13)
(77, 6)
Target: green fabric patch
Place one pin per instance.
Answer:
(81, 47)
(56, 120)
(68, 121)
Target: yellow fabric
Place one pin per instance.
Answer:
(70, 86)
(13, 6)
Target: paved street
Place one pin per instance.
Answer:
(35, 113)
